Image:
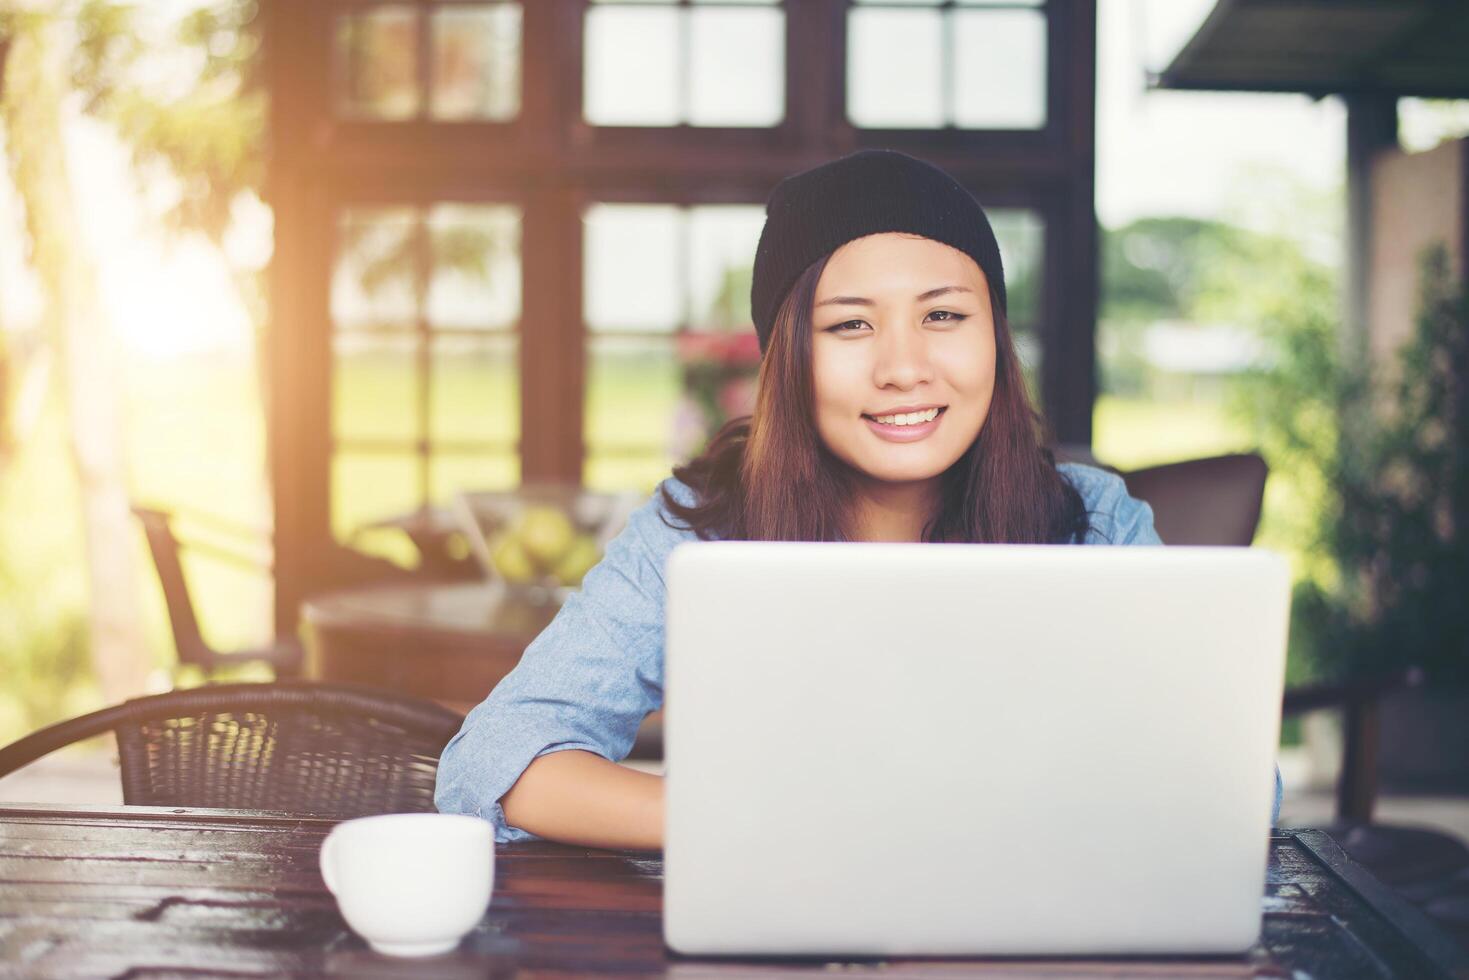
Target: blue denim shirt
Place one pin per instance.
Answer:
(588, 680)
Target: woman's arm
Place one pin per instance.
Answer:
(578, 693)
(579, 797)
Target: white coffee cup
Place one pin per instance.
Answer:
(411, 884)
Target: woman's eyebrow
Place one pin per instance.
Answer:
(860, 301)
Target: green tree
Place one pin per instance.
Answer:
(206, 138)
(1155, 268)
(32, 91)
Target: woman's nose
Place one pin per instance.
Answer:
(901, 358)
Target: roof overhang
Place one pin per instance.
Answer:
(1328, 47)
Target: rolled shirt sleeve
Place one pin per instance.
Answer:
(1279, 792)
(586, 682)
(1113, 516)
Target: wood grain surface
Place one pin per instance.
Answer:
(142, 891)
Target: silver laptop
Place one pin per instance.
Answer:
(918, 749)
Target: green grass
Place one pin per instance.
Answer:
(196, 442)
(1131, 433)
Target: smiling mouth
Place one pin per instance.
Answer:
(941, 411)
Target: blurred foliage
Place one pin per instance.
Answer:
(729, 308)
(1152, 270)
(1193, 270)
(43, 655)
(207, 133)
(1398, 522)
(1290, 403)
(1389, 523)
(382, 248)
(1156, 268)
(184, 97)
(183, 90)
(1264, 280)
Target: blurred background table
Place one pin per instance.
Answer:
(451, 642)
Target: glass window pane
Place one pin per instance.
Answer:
(654, 399)
(895, 92)
(476, 62)
(377, 63)
(632, 402)
(737, 67)
(370, 487)
(722, 240)
(633, 255)
(475, 389)
(475, 279)
(1022, 237)
(631, 73)
(614, 474)
(1000, 69)
(374, 282)
(455, 473)
(375, 386)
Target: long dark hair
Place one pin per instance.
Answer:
(769, 477)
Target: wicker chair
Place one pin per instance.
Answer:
(312, 748)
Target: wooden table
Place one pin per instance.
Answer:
(139, 891)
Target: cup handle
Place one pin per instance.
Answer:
(328, 849)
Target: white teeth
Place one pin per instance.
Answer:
(910, 418)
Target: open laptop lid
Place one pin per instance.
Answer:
(969, 749)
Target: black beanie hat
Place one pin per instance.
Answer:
(817, 211)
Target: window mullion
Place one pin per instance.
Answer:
(425, 59)
(946, 59)
(422, 269)
(685, 39)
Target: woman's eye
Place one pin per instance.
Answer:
(943, 316)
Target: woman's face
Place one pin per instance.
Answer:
(901, 324)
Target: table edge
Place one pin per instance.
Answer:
(1436, 947)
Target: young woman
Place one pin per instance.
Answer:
(890, 407)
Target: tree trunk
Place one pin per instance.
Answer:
(34, 84)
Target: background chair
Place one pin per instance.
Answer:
(285, 654)
(1210, 501)
(324, 749)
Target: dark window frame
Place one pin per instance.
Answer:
(549, 162)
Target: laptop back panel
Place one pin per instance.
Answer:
(880, 749)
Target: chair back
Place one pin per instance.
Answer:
(1210, 501)
(165, 550)
(335, 750)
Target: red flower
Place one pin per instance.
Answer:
(726, 349)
